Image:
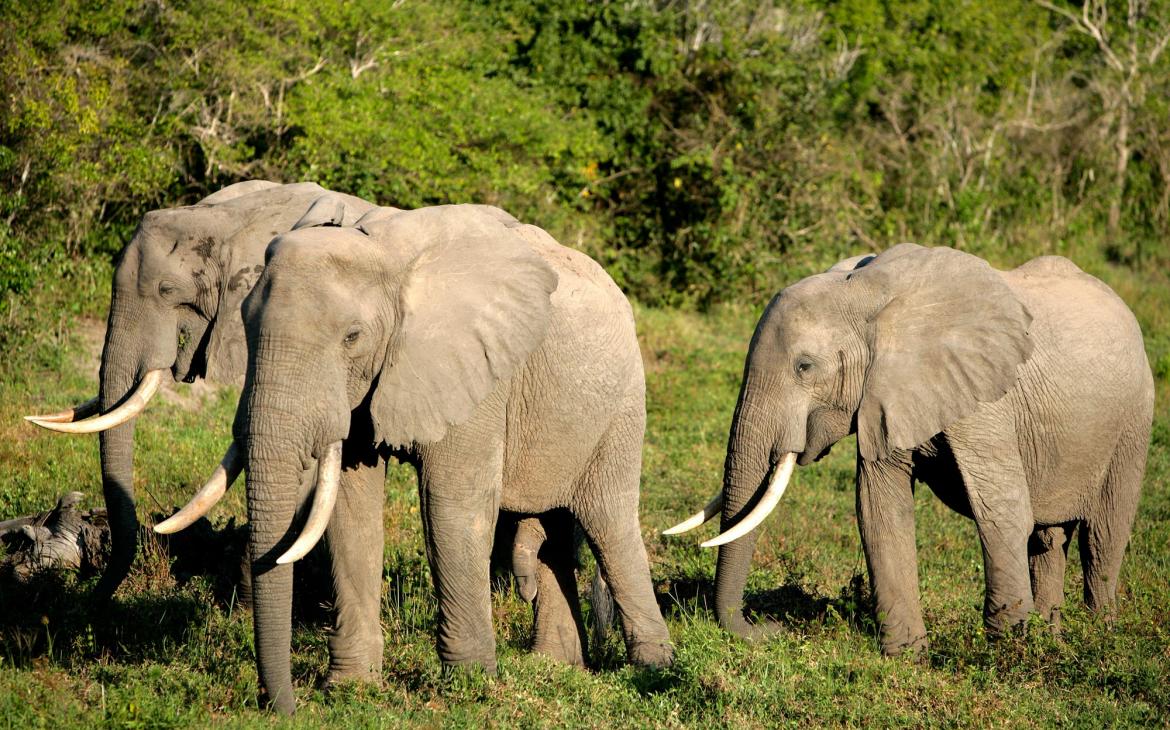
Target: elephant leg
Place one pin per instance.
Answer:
(993, 475)
(607, 508)
(1047, 553)
(459, 494)
(885, 517)
(558, 629)
(1105, 533)
(355, 537)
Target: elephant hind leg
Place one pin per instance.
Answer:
(1105, 533)
(1047, 554)
(558, 630)
(607, 508)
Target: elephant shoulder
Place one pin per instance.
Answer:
(1056, 278)
(1049, 266)
(579, 274)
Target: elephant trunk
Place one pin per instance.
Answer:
(121, 363)
(744, 474)
(278, 434)
(273, 477)
(750, 457)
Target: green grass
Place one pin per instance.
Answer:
(180, 655)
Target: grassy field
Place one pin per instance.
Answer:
(180, 655)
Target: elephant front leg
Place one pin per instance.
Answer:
(988, 458)
(355, 538)
(459, 488)
(885, 517)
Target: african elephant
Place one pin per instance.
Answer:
(501, 365)
(1022, 398)
(177, 289)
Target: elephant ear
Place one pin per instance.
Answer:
(471, 309)
(227, 349)
(332, 209)
(950, 336)
(237, 190)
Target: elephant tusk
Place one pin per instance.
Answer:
(713, 507)
(324, 497)
(766, 504)
(76, 413)
(127, 409)
(211, 492)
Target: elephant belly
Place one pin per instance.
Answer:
(580, 385)
(934, 466)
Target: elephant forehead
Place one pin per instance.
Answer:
(315, 249)
(812, 311)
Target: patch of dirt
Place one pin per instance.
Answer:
(92, 334)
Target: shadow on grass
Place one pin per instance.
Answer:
(52, 617)
(789, 605)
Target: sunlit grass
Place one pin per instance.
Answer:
(176, 655)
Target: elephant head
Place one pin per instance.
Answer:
(383, 336)
(894, 348)
(177, 289)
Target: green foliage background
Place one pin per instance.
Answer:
(703, 151)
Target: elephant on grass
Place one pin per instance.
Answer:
(1022, 398)
(503, 366)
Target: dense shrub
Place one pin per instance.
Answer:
(703, 151)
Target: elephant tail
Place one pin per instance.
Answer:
(601, 601)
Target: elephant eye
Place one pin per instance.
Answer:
(803, 365)
(351, 337)
(166, 288)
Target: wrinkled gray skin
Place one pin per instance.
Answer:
(500, 364)
(1023, 399)
(177, 289)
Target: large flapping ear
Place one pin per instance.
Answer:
(237, 190)
(950, 336)
(332, 209)
(227, 349)
(475, 301)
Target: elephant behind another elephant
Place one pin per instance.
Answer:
(175, 305)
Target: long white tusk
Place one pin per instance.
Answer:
(713, 508)
(324, 497)
(766, 504)
(129, 408)
(211, 492)
(76, 413)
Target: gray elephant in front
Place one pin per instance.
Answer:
(502, 365)
(1022, 398)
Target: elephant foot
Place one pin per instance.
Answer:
(1000, 618)
(469, 667)
(563, 645)
(654, 654)
(1051, 616)
(913, 648)
(749, 632)
(337, 677)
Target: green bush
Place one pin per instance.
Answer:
(704, 152)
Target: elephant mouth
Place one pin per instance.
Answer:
(191, 362)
